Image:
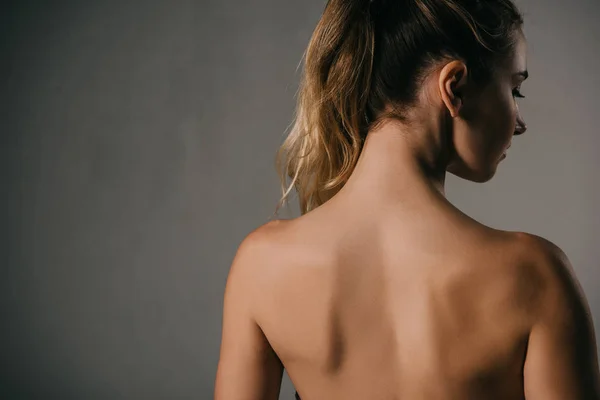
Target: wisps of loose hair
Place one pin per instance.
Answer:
(365, 56)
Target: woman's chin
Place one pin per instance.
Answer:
(477, 174)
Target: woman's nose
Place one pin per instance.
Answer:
(521, 127)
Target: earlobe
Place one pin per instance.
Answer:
(457, 106)
(455, 97)
(451, 81)
(451, 97)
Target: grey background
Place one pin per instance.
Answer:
(138, 141)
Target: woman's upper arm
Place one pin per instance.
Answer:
(248, 367)
(561, 361)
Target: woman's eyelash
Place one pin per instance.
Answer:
(517, 93)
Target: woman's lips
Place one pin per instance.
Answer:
(503, 156)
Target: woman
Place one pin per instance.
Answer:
(382, 289)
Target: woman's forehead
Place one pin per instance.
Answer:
(518, 59)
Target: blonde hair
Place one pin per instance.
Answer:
(347, 83)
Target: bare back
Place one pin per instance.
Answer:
(407, 307)
(420, 302)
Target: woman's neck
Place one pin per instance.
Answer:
(396, 164)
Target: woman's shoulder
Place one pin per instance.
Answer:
(562, 327)
(552, 280)
(546, 256)
(264, 238)
(251, 272)
(265, 246)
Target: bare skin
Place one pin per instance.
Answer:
(388, 291)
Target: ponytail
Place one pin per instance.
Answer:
(347, 87)
(331, 121)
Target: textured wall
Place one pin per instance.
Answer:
(137, 144)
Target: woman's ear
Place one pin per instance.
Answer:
(452, 80)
